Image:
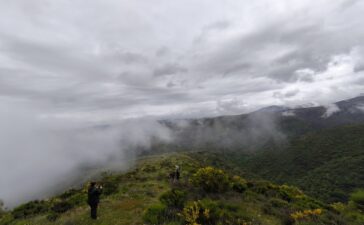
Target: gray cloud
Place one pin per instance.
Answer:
(111, 64)
(169, 69)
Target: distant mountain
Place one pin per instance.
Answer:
(342, 113)
(270, 125)
(320, 149)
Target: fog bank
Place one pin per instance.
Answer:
(43, 155)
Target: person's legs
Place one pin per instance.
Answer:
(94, 211)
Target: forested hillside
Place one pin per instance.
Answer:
(327, 164)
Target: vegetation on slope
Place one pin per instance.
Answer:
(204, 195)
(328, 164)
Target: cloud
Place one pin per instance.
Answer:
(288, 113)
(169, 69)
(330, 110)
(360, 107)
(113, 65)
(42, 155)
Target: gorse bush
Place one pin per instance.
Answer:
(306, 214)
(209, 212)
(211, 180)
(193, 213)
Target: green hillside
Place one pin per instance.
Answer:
(205, 195)
(327, 164)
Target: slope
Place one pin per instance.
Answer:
(205, 195)
(327, 164)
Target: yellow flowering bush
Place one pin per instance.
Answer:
(194, 212)
(306, 214)
(211, 179)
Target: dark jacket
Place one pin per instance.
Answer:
(93, 195)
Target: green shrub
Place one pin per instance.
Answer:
(174, 198)
(155, 214)
(68, 194)
(261, 187)
(77, 199)
(211, 180)
(238, 184)
(73, 197)
(276, 202)
(30, 209)
(52, 216)
(61, 207)
(6, 219)
(358, 197)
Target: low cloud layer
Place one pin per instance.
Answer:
(42, 156)
(68, 66)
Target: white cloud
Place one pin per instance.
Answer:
(360, 107)
(330, 110)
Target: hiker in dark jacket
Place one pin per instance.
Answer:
(177, 173)
(93, 199)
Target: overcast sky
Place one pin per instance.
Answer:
(112, 59)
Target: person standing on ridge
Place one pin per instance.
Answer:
(177, 173)
(93, 194)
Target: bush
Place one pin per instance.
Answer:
(155, 214)
(276, 202)
(52, 216)
(289, 193)
(30, 209)
(68, 194)
(77, 199)
(358, 197)
(193, 213)
(207, 211)
(238, 184)
(211, 180)
(174, 198)
(74, 197)
(261, 187)
(61, 207)
(307, 214)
